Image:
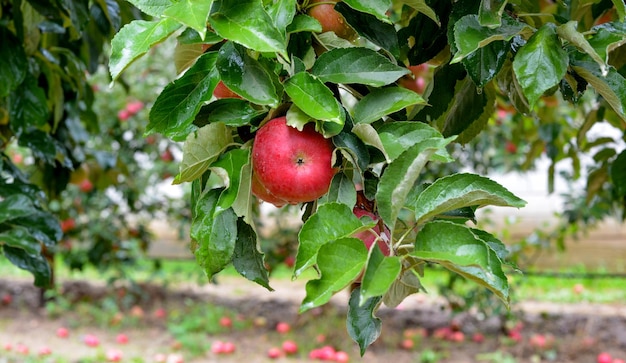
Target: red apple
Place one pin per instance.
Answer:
(121, 338)
(226, 322)
(369, 236)
(260, 192)
(290, 347)
(341, 357)
(123, 115)
(330, 19)
(292, 165)
(217, 347)
(7, 299)
(604, 358)
(228, 348)
(160, 313)
(134, 107)
(167, 155)
(407, 344)
(85, 185)
(283, 327)
(45, 351)
(478, 338)
(114, 355)
(91, 340)
(617, 360)
(68, 225)
(22, 349)
(63, 332)
(274, 353)
(222, 91)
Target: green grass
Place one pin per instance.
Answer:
(524, 287)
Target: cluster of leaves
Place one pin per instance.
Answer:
(66, 153)
(275, 56)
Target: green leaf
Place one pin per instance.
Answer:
(28, 106)
(369, 27)
(422, 7)
(611, 86)
(368, 134)
(378, 8)
(192, 13)
(400, 175)
(490, 13)
(201, 149)
(135, 39)
(229, 167)
(248, 258)
(15, 206)
(540, 64)
(246, 76)
(618, 174)
(397, 137)
(20, 237)
(607, 38)
(356, 65)
(620, 6)
(176, 107)
(408, 284)
(342, 190)
(469, 112)
(304, 23)
(282, 13)
(229, 111)
(569, 32)
(213, 234)
(35, 264)
(384, 101)
(462, 190)
(247, 23)
(13, 62)
(331, 221)
(340, 262)
(312, 96)
(457, 248)
(380, 273)
(357, 151)
(485, 63)
(470, 35)
(153, 8)
(41, 225)
(363, 326)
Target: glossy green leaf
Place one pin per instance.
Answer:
(618, 174)
(154, 8)
(490, 13)
(312, 96)
(213, 233)
(35, 264)
(282, 13)
(356, 65)
(42, 225)
(247, 258)
(570, 33)
(13, 62)
(192, 13)
(339, 262)
(342, 190)
(15, 206)
(540, 64)
(371, 28)
(363, 326)
(229, 167)
(384, 101)
(304, 23)
(135, 39)
(318, 231)
(178, 104)
(246, 76)
(422, 7)
(380, 273)
(461, 190)
(201, 149)
(378, 8)
(606, 38)
(620, 6)
(485, 63)
(470, 35)
(348, 142)
(249, 24)
(368, 134)
(400, 176)
(20, 237)
(397, 137)
(612, 85)
(29, 106)
(229, 111)
(457, 248)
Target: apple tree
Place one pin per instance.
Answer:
(347, 70)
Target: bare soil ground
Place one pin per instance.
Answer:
(580, 331)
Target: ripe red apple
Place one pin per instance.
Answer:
(283, 327)
(407, 344)
(478, 338)
(123, 115)
(68, 225)
(7, 299)
(260, 192)
(331, 20)
(134, 107)
(167, 156)
(44, 351)
(290, 347)
(618, 360)
(121, 338)
(63, 332)
(91, 340)
(369, 236)
(293, 166)
(114, 355)
(274, 353)
(85, 185)
(341, 357)
(226, 322)
(222, 91)
(604, 358)
(228, 348)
